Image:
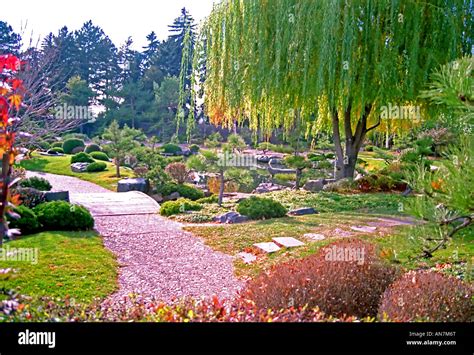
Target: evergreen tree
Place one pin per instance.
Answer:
(10, 42)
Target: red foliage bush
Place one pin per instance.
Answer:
(427, 296)
(178, 172)
(344, 278)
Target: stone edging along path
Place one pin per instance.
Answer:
(156, 257)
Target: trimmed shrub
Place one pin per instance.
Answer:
(37, 183)
(61, 215)
(43, 145)
(92, 148)
(100, 156)
(184, 190)
(70, 144)
(179, 206)
(344, 278)
(194, 148)
(261, 208)
(427, 296)
(178, 172)
(27, 223)
(81, 158)
(57, 145)
(56, 151)
(29, 196)
(170, 148)
(96, 167)
(77, 150)
(210, 199)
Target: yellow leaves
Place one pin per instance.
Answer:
(3, 91)
(15, 100)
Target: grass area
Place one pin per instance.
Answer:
(400, 245)
(61, 165)
(69, 263)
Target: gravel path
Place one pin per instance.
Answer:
(156, 257)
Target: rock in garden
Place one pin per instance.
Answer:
(79, 167)
(267, 247)
(314, 185)
(314, 236)
(288, 242)
(138, 184)
(303, 211)
(231, 218)
(364, 229)
(247, 257)
(172, 196)
(265, 187)
(157, 197)
(56, 196)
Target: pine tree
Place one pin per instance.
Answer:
(10, 42)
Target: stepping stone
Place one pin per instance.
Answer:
(364, 229)
(288, 242)
(247, 257)
(314, 236)
(302, 211)
(267, 247)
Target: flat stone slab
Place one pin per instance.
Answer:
(303, 211)
(267, 247)
(247, 257)
(288, 242)
(314, 236)
(364, 229)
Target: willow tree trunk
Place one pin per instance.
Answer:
(347, 154)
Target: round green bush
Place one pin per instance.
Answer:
(57, 145)
(179, 206)
(184, 190)
(61, 215)
(171, 148)
(92, 148)
(70, 144)
(81, 158)
(37, 183)
(99, 156)
(194, 148)
(27, 223)
(43, 145)
(96, 167)
(261, 208)
(55, 151)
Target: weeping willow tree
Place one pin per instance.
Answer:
(334, 63)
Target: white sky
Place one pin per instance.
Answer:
(118, 18)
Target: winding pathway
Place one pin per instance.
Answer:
(156, 257)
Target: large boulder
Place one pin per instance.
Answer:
(314, 185)
(302, 211)
(56, 196)
(231, 218)
(79, 167)
(265, 187)
(172, 196)
(137, 184)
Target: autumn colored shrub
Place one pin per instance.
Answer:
(427, 296)
(178, 172)
(261, 208)
(29, 197)
(345, 277)
(70, 144)
(213, 184)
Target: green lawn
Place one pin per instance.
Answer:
(61, 165)
(69, 263)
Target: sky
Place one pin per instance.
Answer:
(118, 18)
